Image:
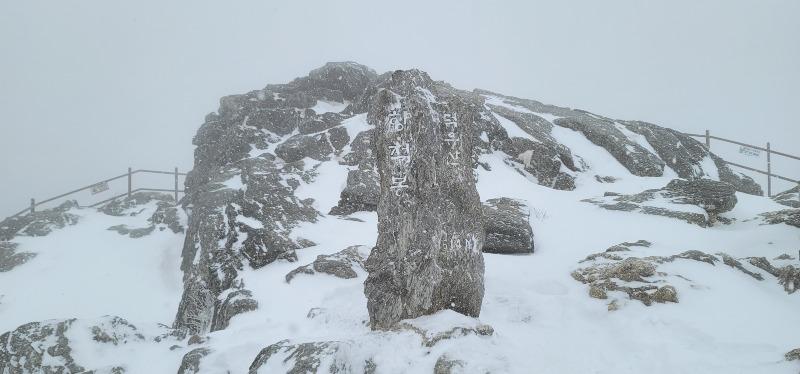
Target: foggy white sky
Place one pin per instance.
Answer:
(88, 88)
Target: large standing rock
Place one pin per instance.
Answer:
(430, 228)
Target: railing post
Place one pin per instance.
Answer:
(708, 139)
(176, 185)
(130, 181)
(33, 205)
(769, 173)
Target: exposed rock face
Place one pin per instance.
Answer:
(546, 159)
(430, 228)
(788, 216)
(165, 216)
(39, 223)
(341, 264)
(639, 278)
(315, 357)
(190, 364)
(605, 133)
(697, 201)
(47, 346)
(790, 197)
(10, 258)
(361, 193)
(508, 230)
(232, 225)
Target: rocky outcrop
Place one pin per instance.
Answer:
(314, 357)
(790, 197)
(165, 216)
(341, 264)
(507, 228)
(39, 223)
(618, 271)
(430, 228)
(790, 217)
(190, 363)
(10, 258)
(243, 216)
(699, 201)
(47, 346)
(605, 133)
(546, 159)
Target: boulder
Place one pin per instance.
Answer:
(790, 197)
(790, 217)
(507, 228)
(341, 264)
(430, 228)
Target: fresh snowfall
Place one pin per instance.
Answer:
(356, 222)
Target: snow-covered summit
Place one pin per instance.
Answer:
(624, 243)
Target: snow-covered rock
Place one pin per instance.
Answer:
(430, 225)
(698, 201)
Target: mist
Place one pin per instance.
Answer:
(89, 88)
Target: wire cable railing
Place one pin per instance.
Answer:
(768, 149)
(103, 185)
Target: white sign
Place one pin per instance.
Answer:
(752, 152)
(100, 187)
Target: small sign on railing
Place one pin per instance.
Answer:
(100, 187)
(747, 151)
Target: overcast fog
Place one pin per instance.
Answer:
(88, 88)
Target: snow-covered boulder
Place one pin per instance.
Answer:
(699, 201)
(790, 197)
(342, 264)
(788, 216)
(62, 346)
(430, 230)
(508, 230)
(165, 214)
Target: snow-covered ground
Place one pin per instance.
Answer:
(543, 319)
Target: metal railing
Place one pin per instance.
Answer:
(767, 149)
(100, 184)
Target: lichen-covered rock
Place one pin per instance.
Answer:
(741, 182)
(190, 363)
(639, 278)
(604, 132)
(39, 223)
(447, 365)
(430, 228)
(10, 258)
(47, 346)
(546, 159)
(315, 357)
(341, 264)
(788, 216)
(508, 230)
(790, 197)
(713, 196)
(697, 201)
(243, 215)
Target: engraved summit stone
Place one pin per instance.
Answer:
(430, 225)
